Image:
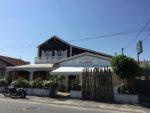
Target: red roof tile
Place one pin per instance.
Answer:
(13, 61)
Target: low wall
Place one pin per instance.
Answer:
(33, 91)
(125, 98)
(37, 92)
(75, 94)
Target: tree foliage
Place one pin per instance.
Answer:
(124, 67)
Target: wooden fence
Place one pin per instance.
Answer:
(97, 84)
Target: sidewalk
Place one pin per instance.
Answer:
(91, 104)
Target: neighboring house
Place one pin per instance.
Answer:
(60, 58)
(8, 61)
(144, 63)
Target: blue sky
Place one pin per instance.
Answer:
(24, 24)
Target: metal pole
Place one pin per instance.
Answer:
(138, 59)
(122, 51)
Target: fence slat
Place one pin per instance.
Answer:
(97, 84)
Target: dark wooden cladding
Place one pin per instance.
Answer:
(76, 51)
(56, 43)
(97, 84)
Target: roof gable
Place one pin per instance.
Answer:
(85, 59)
(54, 38)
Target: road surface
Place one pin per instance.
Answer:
(25, 106)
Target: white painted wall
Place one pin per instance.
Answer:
(125, 98)
(37, 92)
(86, 61)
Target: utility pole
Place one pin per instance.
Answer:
(138, 59)
(139, 49)
(122, 51)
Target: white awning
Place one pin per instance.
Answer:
(71, 70)
(67, 71)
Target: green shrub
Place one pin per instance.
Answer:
(43, 84)
(126, 90)
(21, 83)
(38, 84)
(46, 84)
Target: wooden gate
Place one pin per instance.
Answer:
(97, 84)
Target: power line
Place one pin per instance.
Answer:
(147, 35)
(137, 36)
(85, 39)
(108, 35)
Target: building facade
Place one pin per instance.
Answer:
(58, 57)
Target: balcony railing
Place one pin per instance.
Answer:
(48, 59)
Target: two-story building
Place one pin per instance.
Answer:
(58, 57)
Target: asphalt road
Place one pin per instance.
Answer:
(20, 106)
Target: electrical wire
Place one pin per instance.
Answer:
(85, 39)
(137, 36)
(146, 37)
(108, 35)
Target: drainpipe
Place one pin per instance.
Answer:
(31, 75)
(70, 51)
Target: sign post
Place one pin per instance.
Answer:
(139, 49)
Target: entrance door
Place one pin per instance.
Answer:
(71, 81)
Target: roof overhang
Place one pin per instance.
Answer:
(32, 67)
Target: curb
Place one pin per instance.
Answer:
(94, 107)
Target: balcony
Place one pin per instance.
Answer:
(48, 60)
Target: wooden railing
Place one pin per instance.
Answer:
(48, 59)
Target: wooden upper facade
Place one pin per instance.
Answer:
(56, 49)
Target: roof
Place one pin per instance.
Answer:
(13, 61)
(83, 54)
(31, 67)
(55, 37)
(88, 50)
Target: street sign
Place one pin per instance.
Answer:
(139, 47)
